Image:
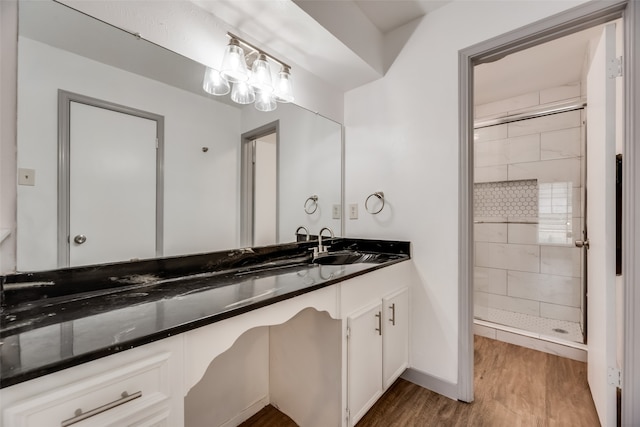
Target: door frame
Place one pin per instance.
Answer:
(575, 19)
(65, 99)
(247, 180)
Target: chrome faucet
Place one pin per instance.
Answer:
(302, 227)
(322, 249)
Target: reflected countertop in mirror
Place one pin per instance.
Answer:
(201, 202)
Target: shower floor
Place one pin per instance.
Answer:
(561, 329)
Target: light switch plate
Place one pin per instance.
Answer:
(336, 211)
(26, 176)
(353, 211)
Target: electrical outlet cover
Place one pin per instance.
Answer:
(336, 211)
(353, 211)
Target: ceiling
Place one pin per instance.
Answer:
(343, 42)
(550, 64)
(391, 14)
(340, 41)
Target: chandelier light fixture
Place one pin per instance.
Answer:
(246, 73)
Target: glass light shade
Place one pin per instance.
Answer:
(214, 84)
(261, 75)
(284, 86)
(242, 93)
(234, 66)
(265, 102)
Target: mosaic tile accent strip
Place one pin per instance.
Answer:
(506, 199)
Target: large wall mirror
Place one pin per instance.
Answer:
(119, 148)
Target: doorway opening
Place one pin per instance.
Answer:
(259, 181)
(531, 169)
(569, 22)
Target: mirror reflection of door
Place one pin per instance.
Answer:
(112, 183)
(265, 190)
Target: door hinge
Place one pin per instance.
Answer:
(157, 143)
(253, 152)
(614, 376)
(614, 68)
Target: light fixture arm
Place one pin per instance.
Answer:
(246, 44)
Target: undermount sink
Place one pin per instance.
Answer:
(351, 257)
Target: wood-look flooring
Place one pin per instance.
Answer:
(514, 386)
(269, 417)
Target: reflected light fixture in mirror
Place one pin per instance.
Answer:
(284, 89)
(214, 84)
(261, 75)
(247, 86)
(234, 65)
(242, 93)
(265, 101)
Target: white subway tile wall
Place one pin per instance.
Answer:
(528, 189)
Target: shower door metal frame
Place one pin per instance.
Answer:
(541, 111)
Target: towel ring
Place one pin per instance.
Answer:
(380, 196)
(312, 207)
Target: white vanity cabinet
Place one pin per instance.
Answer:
(377, 337)
(323, 358)
(395, 336)
(364, 366)
(138, 387)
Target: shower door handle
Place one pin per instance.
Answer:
(582, 243)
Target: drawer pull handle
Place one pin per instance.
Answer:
(393, 314)
(379, 328)
(84, 415)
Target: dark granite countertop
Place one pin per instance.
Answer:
(58, 319)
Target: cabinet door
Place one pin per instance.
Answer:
(364, 360)
(395, 333)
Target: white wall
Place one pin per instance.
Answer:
(235, 385)
(201, 203)
(309, 163)
(401, 138)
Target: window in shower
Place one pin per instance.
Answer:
(555, 213)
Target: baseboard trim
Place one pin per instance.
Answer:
(432, 383)
(248, 412)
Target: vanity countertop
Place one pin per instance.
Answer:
(58, 319)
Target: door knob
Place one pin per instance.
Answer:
(582, 243)
(81, 238)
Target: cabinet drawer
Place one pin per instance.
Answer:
(102, 394)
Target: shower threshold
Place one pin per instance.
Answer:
(559, 331)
